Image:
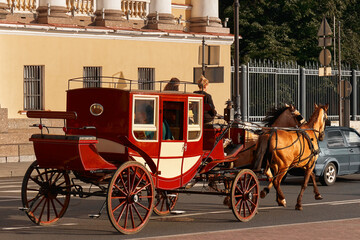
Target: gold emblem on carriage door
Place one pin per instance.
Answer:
(96, 109)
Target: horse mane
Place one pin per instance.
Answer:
(273, 114)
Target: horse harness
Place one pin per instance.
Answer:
(300, 133)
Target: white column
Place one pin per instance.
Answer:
(160, 6)
(3, 5)
(161, 17)
(108, 13)
(53, 11)
(205, 17)
(205, 8)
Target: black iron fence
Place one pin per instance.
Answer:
(270, 83)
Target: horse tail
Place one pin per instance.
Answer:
(261, 152)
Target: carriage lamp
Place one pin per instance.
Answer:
(229, 111)
(96, 109)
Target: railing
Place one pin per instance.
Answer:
(23, 5)
(273, 83)
(135, 9)
(81, 6)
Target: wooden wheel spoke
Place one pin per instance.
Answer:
(139, 181)
(118, 188)
(123, 183)
(121, 212)
(42, 210)
(133, 180)
(118, 206)
(239, 196)
(126, 216)
(243, 208)
(54, 207)
(39, 174)
(59, 202)
(248, 183)
(138, 214)
(36, 181)
(252, 187)
(240, 190)
(147, 209)
(142, 188)
(131, 216)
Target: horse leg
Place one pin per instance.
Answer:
(266, 190)
(316, 190)
(303, 187)
(280, 198)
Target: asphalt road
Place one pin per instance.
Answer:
(337, 215)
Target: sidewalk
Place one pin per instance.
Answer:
(16, 169)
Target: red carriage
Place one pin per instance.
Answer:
(140, 148)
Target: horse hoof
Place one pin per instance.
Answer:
(318, 197)
(282, 202)
(298, 207)
(264, 192)
(227, 202)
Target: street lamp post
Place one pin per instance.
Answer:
(236, 84)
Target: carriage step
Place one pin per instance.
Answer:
(24, 209)
(94, 215)
(171, 195)
(177, 212)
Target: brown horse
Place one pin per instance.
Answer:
(285, 116)
(285, 149)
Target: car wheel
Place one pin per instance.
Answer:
(329, 176)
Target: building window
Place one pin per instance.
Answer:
(33, 87)
(146, 77)
(92, 77)
(213, 74)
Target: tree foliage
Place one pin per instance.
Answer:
(286, 30)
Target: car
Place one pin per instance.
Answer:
(339, 155)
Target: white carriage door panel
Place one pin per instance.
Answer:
(171, 159)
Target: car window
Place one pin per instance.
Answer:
(335, 139)
(352, 138)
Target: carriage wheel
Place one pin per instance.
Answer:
(45, 194)
(161, 208)
(245, 195)
(130, 198)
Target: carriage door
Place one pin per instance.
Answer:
(194, 141)
(172, 142)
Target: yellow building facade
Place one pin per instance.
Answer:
(43, 43)
(61, 48)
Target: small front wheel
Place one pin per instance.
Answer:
(329, 176)
(245, 195)
(130, 198)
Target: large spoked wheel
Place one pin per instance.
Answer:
(245, 195)
(164, 203)
(45, 194)
(130, 198)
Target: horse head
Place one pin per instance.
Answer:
(286, 116)
(320, 119)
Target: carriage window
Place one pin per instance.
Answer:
(352, 138)
(144, 125)
(194, 128)
(173, 122)
(335, 139)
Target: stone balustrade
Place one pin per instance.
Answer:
(81, 6)
(135, 9)
(23, 5)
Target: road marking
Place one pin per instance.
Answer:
(352, 201)
(19, 228)
(244, 229)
